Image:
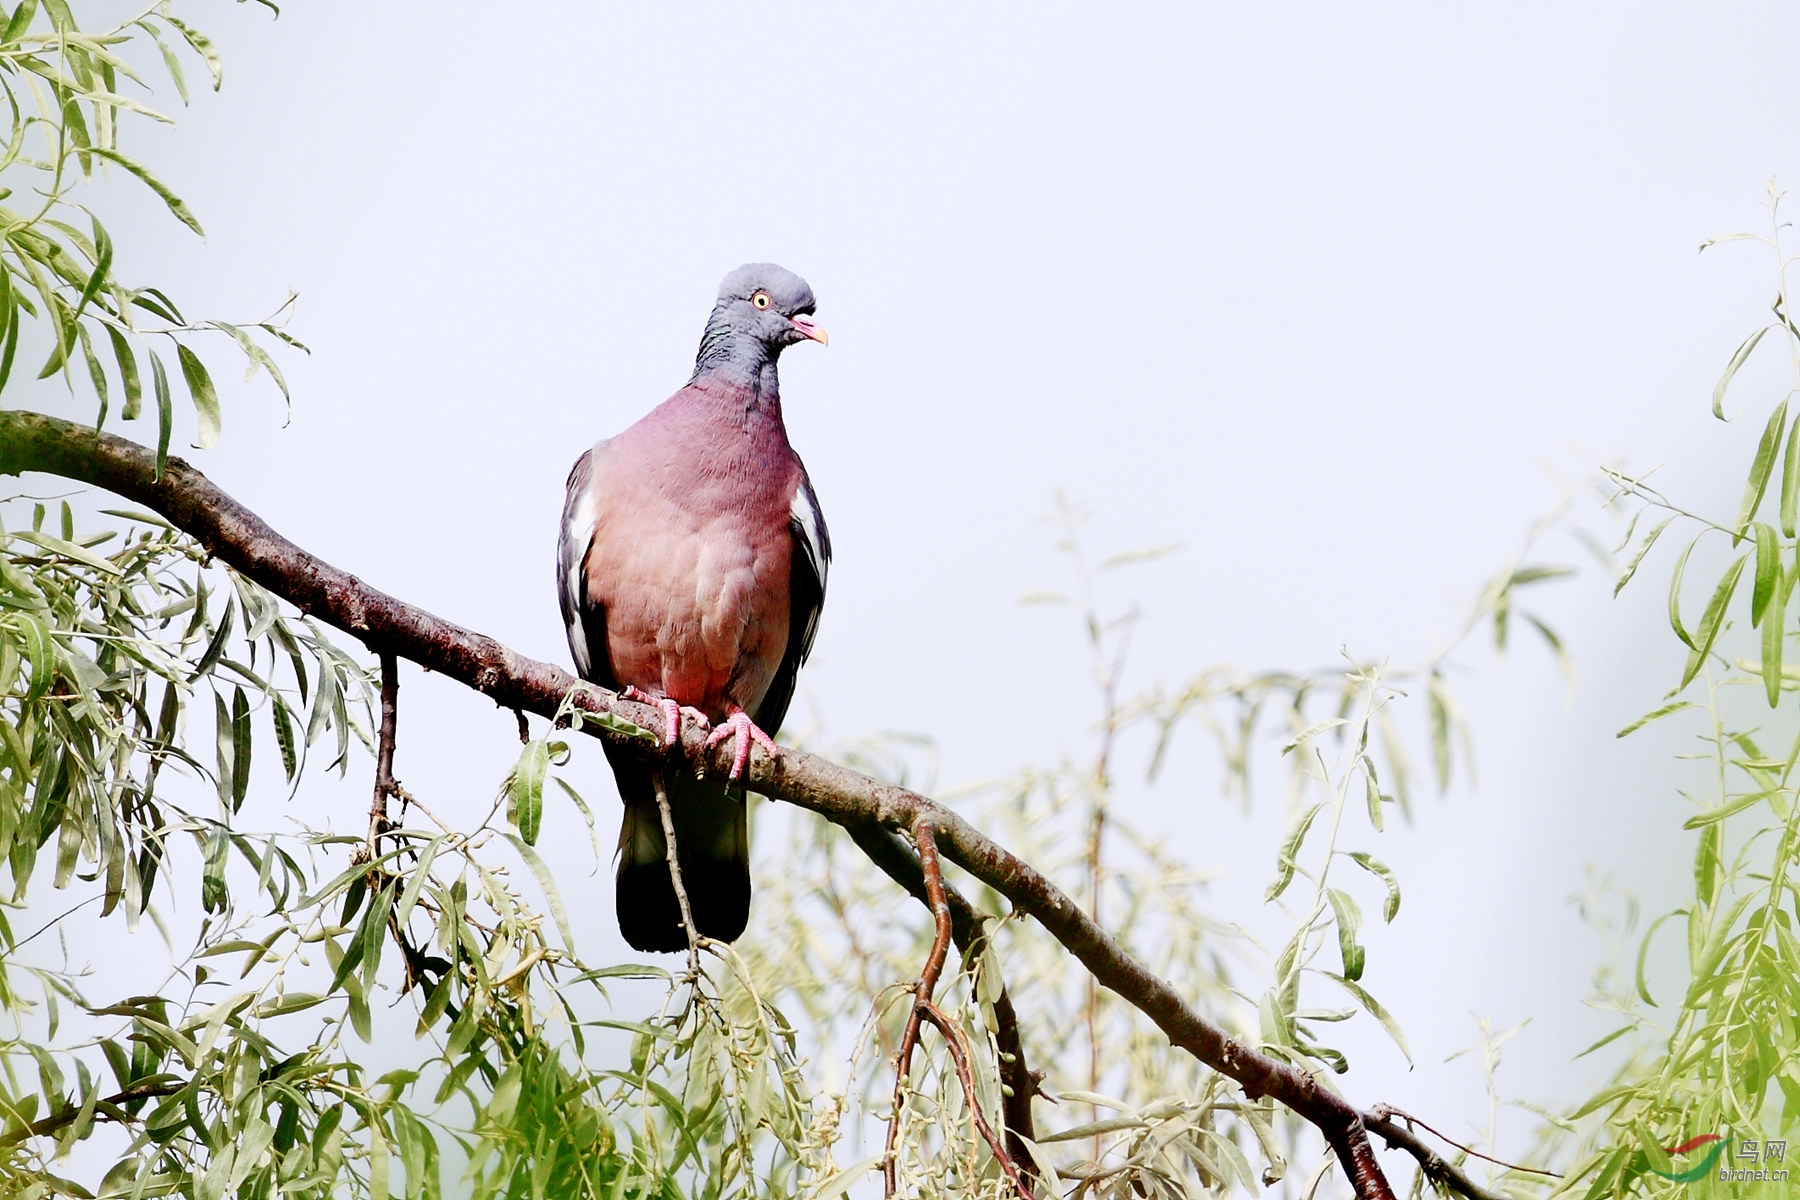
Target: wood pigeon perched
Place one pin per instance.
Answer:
(691, 569)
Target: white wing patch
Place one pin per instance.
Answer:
(808, 525)
(577, 535)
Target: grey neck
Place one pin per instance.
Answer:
(738, 358)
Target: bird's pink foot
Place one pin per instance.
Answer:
(740, 726)
(671, 711)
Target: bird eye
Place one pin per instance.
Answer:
(761, 300)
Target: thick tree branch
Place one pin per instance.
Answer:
(237, 536)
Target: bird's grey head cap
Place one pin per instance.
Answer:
(768, 302)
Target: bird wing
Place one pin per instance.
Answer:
(811, 564)
(584, 618)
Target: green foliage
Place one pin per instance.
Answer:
(246, 1077)
(1723, 1054)
(65, 91)
(246, 1069)
(1132, 1116)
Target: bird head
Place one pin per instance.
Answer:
(768, 303)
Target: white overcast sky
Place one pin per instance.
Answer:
(1315, 291)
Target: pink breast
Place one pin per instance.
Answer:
(699, 610)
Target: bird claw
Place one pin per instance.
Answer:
(671, 711)
(740, 726)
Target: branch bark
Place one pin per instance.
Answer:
(385, 625)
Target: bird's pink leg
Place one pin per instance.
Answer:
(671, 711)
(739, 725)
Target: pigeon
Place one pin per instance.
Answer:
(691, 569)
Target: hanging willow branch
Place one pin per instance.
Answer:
(388, 626)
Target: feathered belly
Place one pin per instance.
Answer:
(701, 618)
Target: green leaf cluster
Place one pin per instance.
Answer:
(1722, 1053)
(68, 93)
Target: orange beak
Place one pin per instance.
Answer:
(812, 331)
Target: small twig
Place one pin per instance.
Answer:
(1385, 1112)
(1432, 1165)
(108, 1108)
(385, 785)
(524, 729)
(681, 896)
(923, 1010)
(380, 825)
(47, 925)
(405, 797)
(940, 908)
(1109, 670)
(934, 966)
(968, 927)
(953, 1037)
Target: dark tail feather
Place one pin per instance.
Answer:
(712, 836)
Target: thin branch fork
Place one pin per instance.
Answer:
(934, 966)
(1020, 1083)
(959, 1054)
(924, 1010)
(238, 537)
(1387, 1112)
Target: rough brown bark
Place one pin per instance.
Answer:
(235, 535)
